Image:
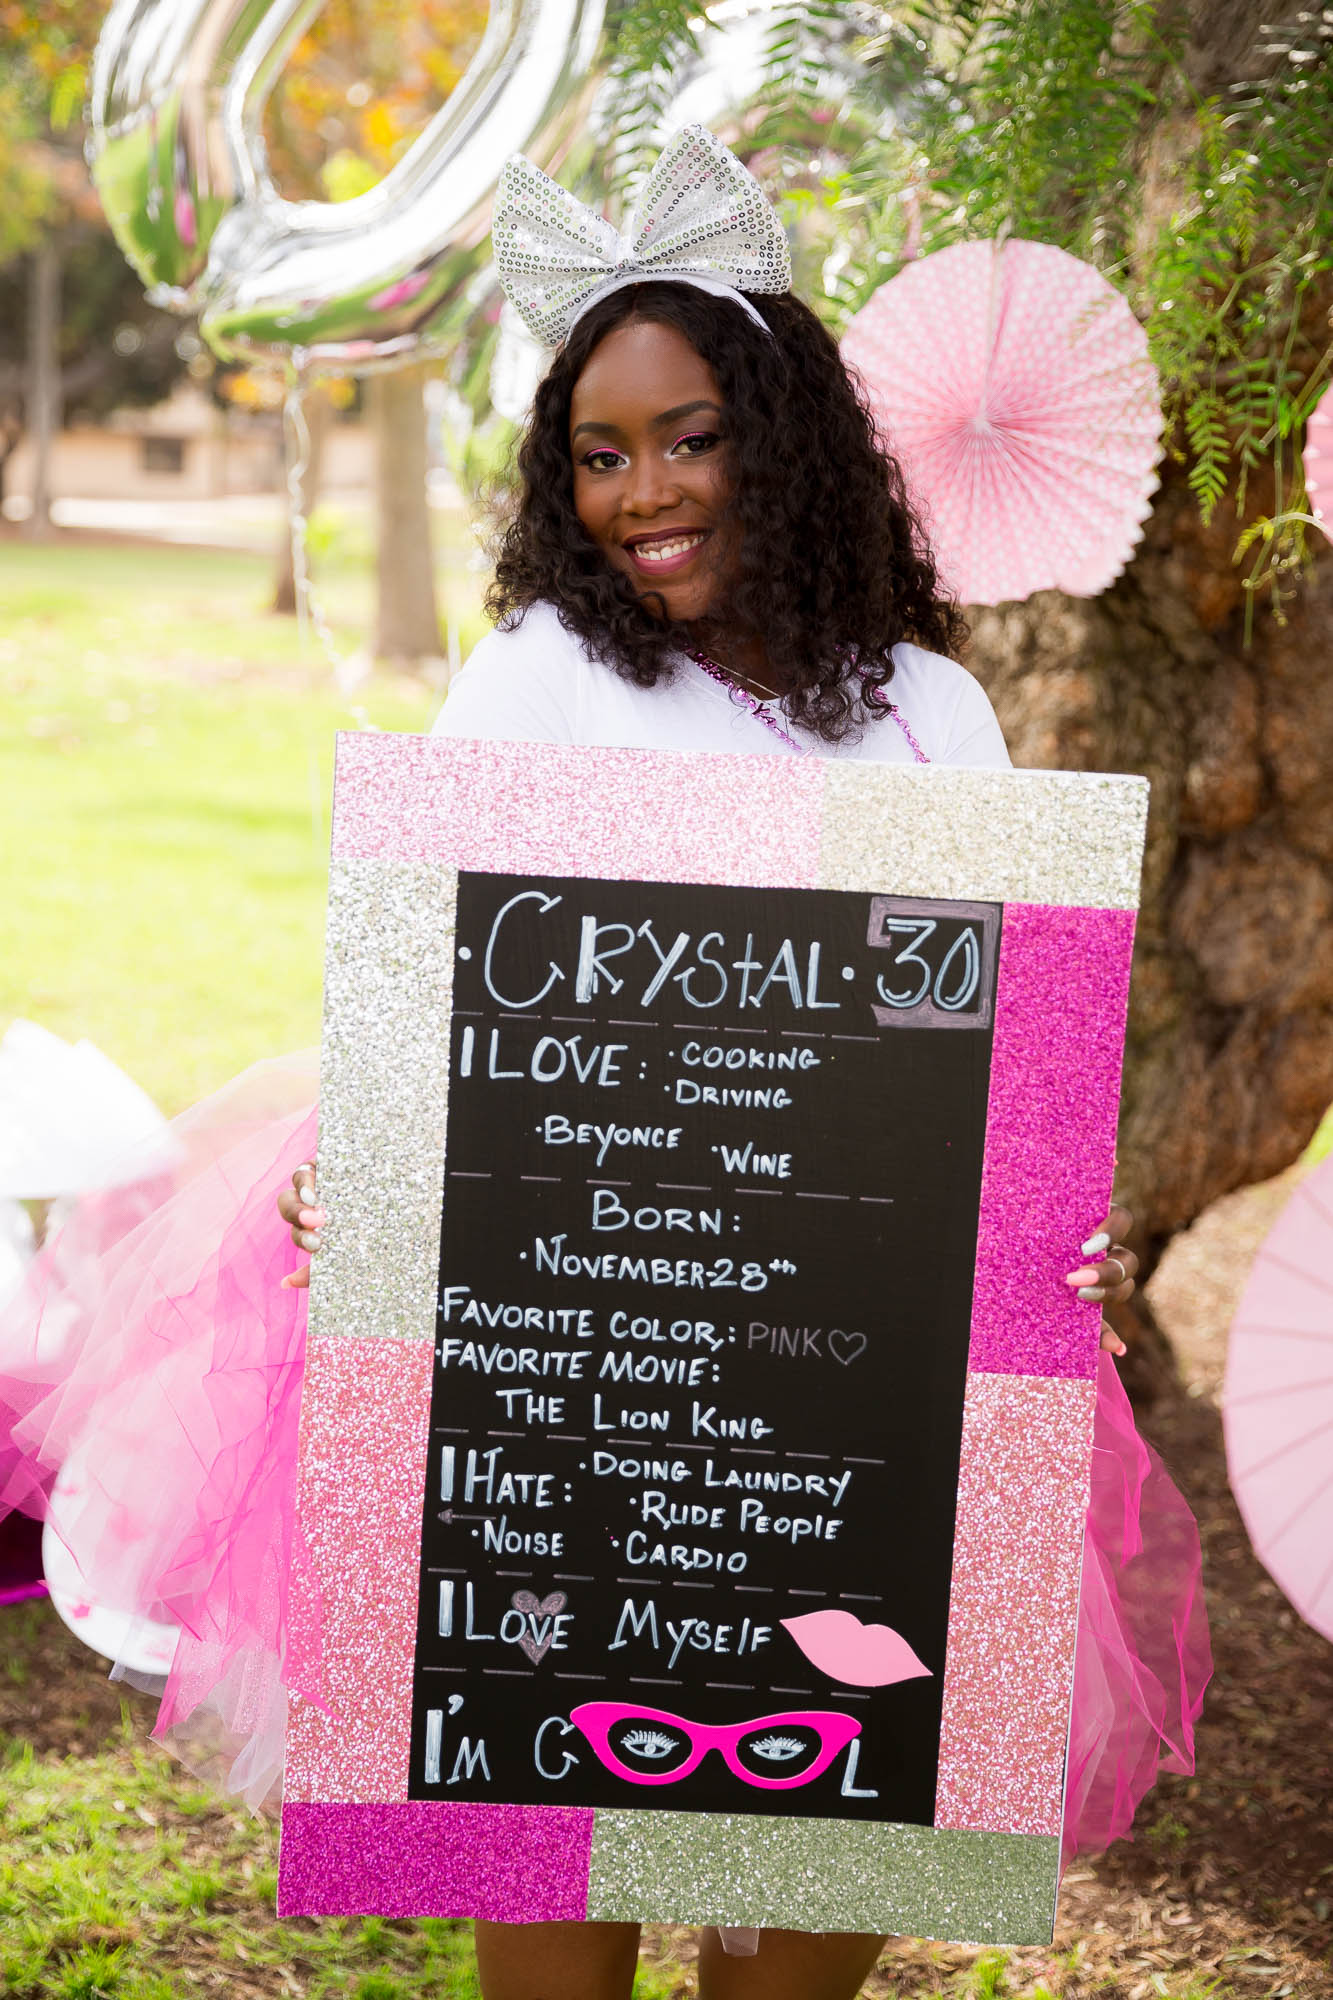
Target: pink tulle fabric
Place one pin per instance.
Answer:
(154, 1342)
(155, 1325)
(1143, 1658)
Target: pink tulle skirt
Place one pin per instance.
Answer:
(154, 1351)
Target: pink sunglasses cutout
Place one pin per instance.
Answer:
(813, 1735)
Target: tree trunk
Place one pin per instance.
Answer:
(1229, 1055)
(1229, 1063)
(407, 625)
(43, 376)
(11, 434)
(318, 413)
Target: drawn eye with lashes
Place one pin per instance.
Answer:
(649, 1743)
(778, 1749)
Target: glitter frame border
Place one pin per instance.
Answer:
(1061, 851)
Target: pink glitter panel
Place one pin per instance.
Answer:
(505, 1864)
(364, 1419)
(1009, 1668)
(555, 809)
(1050, 1135)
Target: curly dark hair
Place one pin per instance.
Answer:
(833, 567)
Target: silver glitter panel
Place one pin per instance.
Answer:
(1059, 837)
(823, 1875)
(701, 214)
(384, 1068)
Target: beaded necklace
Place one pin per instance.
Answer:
(745, 699)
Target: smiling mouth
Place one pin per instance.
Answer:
(660, 554)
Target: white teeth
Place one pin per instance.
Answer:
(660, 551)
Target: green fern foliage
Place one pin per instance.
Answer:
(1077, 123)
(1206, 427)
(651, 43)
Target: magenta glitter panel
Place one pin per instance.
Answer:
(1017, 1551)
(505, 1864)
(697, 1424)
(1050, 1134)
(571, 811)
(363, 1425)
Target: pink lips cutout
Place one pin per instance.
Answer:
(858, 1655)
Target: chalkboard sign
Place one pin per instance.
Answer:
(705, 1295)
(696, 1424)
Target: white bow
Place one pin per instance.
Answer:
(702, 219)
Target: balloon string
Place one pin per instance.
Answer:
(298, 460)
(348, 673)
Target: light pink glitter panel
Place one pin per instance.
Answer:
(1013, 1608)
(364, 1428)
(1050, 1134)
(559, 809)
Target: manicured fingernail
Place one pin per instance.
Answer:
(285, 1284)
(1085, 1275)
(313, 1218)
(307, 1195)
(1092, 1292)
(1096, 1244)
(311, 1240)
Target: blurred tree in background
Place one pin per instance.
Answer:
(361, 84)
(63, 282)
(358, 88)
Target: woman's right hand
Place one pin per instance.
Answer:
(296, 1206)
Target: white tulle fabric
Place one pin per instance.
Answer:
(702, 219)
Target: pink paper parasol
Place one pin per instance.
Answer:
(1319, 462)
(1278, 1401)
(1013, 384)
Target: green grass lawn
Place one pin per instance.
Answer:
(166, 748)
(121, 1878)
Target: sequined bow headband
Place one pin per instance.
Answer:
(702, 219)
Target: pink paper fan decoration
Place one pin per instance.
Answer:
(1278, 1401)
(1013, 384)
(1319, 462)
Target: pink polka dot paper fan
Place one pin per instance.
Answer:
(1318, 461)
(1013, 383)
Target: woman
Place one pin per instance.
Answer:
(710, 550)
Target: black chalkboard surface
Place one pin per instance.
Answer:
(714, 1161)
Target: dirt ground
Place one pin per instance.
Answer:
(1227, 1887)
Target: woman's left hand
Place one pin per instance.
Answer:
(1111, 1277)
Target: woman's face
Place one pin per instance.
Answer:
(646, 435)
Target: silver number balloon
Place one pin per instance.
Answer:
(177, 154)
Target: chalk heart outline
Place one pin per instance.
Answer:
(536, 1643)
(853, 1343)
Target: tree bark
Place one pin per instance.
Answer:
(407, 625)
(318, 412)
(1229, 1061)
(1229, 1055)
(11, 434)
(43, 376)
